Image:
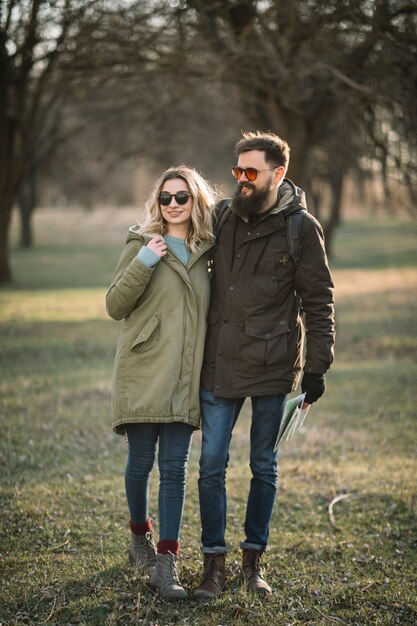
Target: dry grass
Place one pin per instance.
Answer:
(63, 516)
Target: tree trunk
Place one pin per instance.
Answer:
(293, 129)
(336, 180)
(5, 271)
(27, 203)
(300, 147)
(317, 199)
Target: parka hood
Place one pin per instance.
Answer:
(290, 198)
(134, 233)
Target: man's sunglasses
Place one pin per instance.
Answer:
(181, 197)
(251, 173)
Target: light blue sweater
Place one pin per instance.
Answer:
(175, 244)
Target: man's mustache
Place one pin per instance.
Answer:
(240, 186)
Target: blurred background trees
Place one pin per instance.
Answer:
(338, 79)
(38, 44)
(97, 96)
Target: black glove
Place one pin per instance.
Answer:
(314, 386)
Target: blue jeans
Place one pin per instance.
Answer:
(173, 453)
(219, 418)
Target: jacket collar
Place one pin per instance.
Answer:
(170, 258)
(179, 267)
(289, 198)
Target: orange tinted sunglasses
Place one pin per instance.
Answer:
(251, 173)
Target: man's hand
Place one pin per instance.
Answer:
(314, 387)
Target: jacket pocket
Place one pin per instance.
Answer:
(142, 342)
(267, 341)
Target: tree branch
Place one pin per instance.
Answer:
(343, 496)
(343, 78)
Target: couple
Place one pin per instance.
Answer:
(170, 374)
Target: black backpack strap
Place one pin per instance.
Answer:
(221, 214)
(293, 227)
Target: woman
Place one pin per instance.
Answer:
(161, 292)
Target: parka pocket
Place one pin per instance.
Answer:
(267, 341)
(142, 342)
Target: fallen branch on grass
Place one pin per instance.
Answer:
(329, 617)
(343, 496)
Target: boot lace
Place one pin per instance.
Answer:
(145, 548)
(171, 570)
(149, 546)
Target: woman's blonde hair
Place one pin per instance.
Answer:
(203, 195)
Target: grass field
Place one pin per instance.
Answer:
(64, 532)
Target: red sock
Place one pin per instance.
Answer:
(167, 545)
(141, 529)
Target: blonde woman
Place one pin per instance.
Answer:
(160, 291)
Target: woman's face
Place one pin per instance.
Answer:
(175, 213)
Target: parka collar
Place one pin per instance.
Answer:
(170, 258)
(289, 197)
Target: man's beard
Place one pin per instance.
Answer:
(251, 205)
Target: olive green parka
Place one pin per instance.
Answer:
(160, 348)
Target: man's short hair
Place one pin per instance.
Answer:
(277, 151)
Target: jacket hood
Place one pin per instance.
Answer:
(133, 233)
(290, 198)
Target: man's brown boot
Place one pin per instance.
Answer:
(252, 573)
(213, 578)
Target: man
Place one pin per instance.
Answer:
(254, 345)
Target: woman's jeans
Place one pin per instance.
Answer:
(173, 453)
(219, 418)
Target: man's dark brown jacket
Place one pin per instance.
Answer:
(255, 333)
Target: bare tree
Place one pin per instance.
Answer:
(52, 51)
(143, 105)
(321, 74)
(35, 37)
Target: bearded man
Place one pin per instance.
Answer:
(254, 346)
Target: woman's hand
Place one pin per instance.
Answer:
(158, 246)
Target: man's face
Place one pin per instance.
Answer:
(251, 197)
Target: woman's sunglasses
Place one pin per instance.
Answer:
(251, 173)
(181, 197)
